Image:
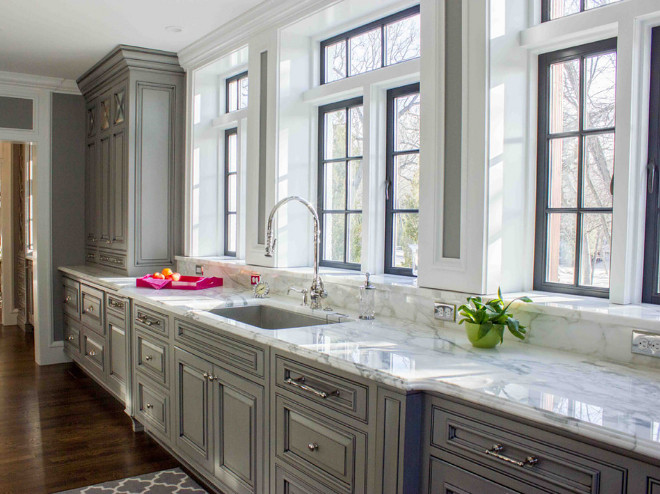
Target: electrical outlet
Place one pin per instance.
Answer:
(444, 312)
(199, 269)
(646, 343)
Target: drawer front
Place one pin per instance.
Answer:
(117, 305)
(71, 298)
(320, 446)
(152, 358)
(449, 479)
(506, 446)
(289, 483)
(339, 394)
(91, 308)
(93, 351)
(112, 260)
(151, 320)
(71, 335)
(153, 407)
(233, 352)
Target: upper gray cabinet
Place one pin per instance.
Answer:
(135, 161)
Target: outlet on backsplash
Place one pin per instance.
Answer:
(199, 269)
(646, 343)
(444, 312)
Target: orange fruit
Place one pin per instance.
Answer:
(159, 276)
(166, 272)
(176, 276)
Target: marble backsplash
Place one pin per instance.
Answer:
(583, 326)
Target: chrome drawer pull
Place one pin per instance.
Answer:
(313, 446)
(149, 406)
(116, 305)
(67, 299)
(300, 384)
(148, 358)
(71, 338)
(498, 448)
(90, 309)
(212, 377)
(148, 321)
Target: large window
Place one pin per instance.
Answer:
(402, 189)
(340, 183)
(554, 9)
(384, 42)
(231, 190)
(237, 92)
(651, 292)
(575, 169)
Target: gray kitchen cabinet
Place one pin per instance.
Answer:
(135, 159)
(117, 347)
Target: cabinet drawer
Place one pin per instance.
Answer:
(507, 447)
(152, 357)
(71, 335)
(236, 353)
(91, 308)
(447, 479)
(151, 320)
(71, 298)
(321, 446)
(112, 260)
(93, 351)
(116, 304)
(339, 394)
(289, 483)
(153, 407)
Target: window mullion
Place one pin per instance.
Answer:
(578, 225)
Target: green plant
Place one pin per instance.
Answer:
(492, 315)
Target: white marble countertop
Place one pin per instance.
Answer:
(612, 403)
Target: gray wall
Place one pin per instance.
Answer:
(68, 192)
(16, 113)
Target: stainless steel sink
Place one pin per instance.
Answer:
(266, 317)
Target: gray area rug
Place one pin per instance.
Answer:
(165, 482)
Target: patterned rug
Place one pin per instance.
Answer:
(165, 482)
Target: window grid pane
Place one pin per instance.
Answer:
(340, 183)
(237, 92)
(387, 41)
(576, 169)
(231, 191)
(554, 9)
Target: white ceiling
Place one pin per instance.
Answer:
(63, 38)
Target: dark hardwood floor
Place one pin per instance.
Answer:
(59, 430)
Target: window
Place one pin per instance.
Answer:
(553, 9)
(237, 92)
(387, 41)
(340, 183)
(651, 288)
(29, 201)
(231, 190)
(575, 169)
(402, 189)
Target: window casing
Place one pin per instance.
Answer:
(555, 9)
(402, 187)
(340, 183)
(575, 169)
(651, 283)
(236, 92)
(231, 191)
(384, 42)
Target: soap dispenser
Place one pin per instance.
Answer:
(367, 300)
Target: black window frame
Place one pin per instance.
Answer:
(345, 36)
(650, 290)
(323, 110)
(227, 173)
(390, 211)
(228, 81)
(544, 136)
(547, 4)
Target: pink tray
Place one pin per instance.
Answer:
(185, 283)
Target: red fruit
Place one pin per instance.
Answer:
(158, 276)
(176, 276)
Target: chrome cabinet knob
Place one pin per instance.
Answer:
(149, 406)
(313, 446)
(67, 299)
(91, 353)
(148, 358)
(90, 309)
(71, 338)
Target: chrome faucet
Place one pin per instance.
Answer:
(316, 292)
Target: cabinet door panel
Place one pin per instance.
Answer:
(91, 199)
(117, 365)
(193, 405)
(238, 424)
(103, 190)
(118, 198)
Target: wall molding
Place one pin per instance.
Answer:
(237, 32)
(39, 82)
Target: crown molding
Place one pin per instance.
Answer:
(54, 84)
(237, 32)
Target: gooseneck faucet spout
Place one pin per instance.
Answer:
(316, 292)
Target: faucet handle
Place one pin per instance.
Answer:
(304, 292)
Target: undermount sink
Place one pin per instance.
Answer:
(267, 317)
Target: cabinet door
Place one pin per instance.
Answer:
(238, 419)
(118, 191)
(117, 366)
(103, 191)
(449, 479)
(91, 190)
(193, 408)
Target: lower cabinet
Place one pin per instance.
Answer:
(117, 349)
(220, 422)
